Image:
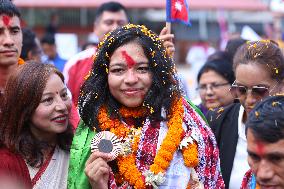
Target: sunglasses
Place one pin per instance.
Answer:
(212, 86)
(258, 91)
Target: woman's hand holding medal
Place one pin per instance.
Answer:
(97, 170)
(105, 147)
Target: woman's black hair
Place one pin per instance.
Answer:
(220, 62)
(8, 7)
(266, 120)
(95, 91)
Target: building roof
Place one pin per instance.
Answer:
(250, 5)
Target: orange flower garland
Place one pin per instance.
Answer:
(189, 155)
(133, 112)
(21, 61)
(172, 140)
(129, 171)
(135, 143)
(127, 164)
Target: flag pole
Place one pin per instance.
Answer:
(168, 26)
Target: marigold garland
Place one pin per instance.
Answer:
(188, 186)
(172, 139)
(136, 141)
(21, 61)
(189, 155)
(133, 112)
(127, 164)
(129, 171)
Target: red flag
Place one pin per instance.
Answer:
(177, 11)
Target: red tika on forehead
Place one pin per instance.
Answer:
(260, 148)
(6, 20)
(130, 62)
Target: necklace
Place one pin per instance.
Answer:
(128, 170)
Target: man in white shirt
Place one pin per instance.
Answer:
(109, 16)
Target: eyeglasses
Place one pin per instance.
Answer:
(211, 86)
(258, 91)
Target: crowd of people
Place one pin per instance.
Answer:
(127, 122)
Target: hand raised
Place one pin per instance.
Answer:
(97, 170)
(167, 41)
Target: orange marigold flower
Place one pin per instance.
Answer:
(190, 155)
(21, 61)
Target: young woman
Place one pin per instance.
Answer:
(259, 71)
(132, 92)
(34, 124)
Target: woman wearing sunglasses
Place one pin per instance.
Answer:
(259, 71)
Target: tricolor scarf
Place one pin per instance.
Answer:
(249, 181)
(208, 153)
